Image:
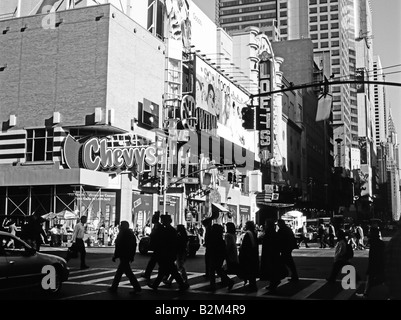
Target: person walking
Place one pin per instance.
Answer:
(249, 256)
(166, 254)
(9, 226)
(125, 249)
(78, 242)
(230, 238)
(392, 265)
(322, 234)
(332, 234)
(340, 256)
(182, 245)
(154, 240)
(217, 255)
(375, 271)
(101, 234)
(304, 239)
(287, 243)
(272, 267)
(359, 237)
(33, 233)
(207, 223)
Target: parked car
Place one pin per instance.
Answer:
(192, 248)
(21, 265)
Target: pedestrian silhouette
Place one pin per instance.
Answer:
(375, 271)
(182, 245)
(393, 265)
(154, 239)
(249, 256)
(125, 249)
(272, 267)
(207, 223)
(217, 255)
(230, 238)
(287, 243)
(340, 256)
(78, 242)
(166, 254)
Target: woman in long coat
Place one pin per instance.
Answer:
(272, 267)
(249, 256)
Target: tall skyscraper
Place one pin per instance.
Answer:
(381, 112)
(336, 27)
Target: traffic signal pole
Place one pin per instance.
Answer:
(322, 83)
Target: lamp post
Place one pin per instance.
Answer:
(172, 136)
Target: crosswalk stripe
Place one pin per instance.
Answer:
(90, 275)
(303, 294)
(202, 282)
(98, 280)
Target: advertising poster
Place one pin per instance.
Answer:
(99, 206)
(142, 210)
(218, 96)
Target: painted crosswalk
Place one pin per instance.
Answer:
(304, 289)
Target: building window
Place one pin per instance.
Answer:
(313, 27)
(324, 26)
(324, 44)
(313, 10)
(39, 145)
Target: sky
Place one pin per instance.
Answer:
(386, 15)
(386, 42)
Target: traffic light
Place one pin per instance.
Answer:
(160, 186)
(261, 119)
(248, 117)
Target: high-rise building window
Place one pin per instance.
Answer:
(39, 145)
(334, 25)
(324, 44)
(324, 35)
(323, 9)
(313, 10)
(324, 18)
(313, 19)
(334, 16)
(312, 2)
(324, 26)
(313, 27)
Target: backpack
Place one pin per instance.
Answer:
(349, 254)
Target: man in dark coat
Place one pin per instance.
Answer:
(125, 248)
(166, 254)
(287, 242)
(249, 256)
(272, 267)
(154, 239)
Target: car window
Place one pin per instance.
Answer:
(11, 246)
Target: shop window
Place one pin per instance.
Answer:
(39, 145)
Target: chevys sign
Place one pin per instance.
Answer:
(97, 154)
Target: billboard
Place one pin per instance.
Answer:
(215, 94)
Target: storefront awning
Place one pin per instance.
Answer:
(219, 207)
(98, 129)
